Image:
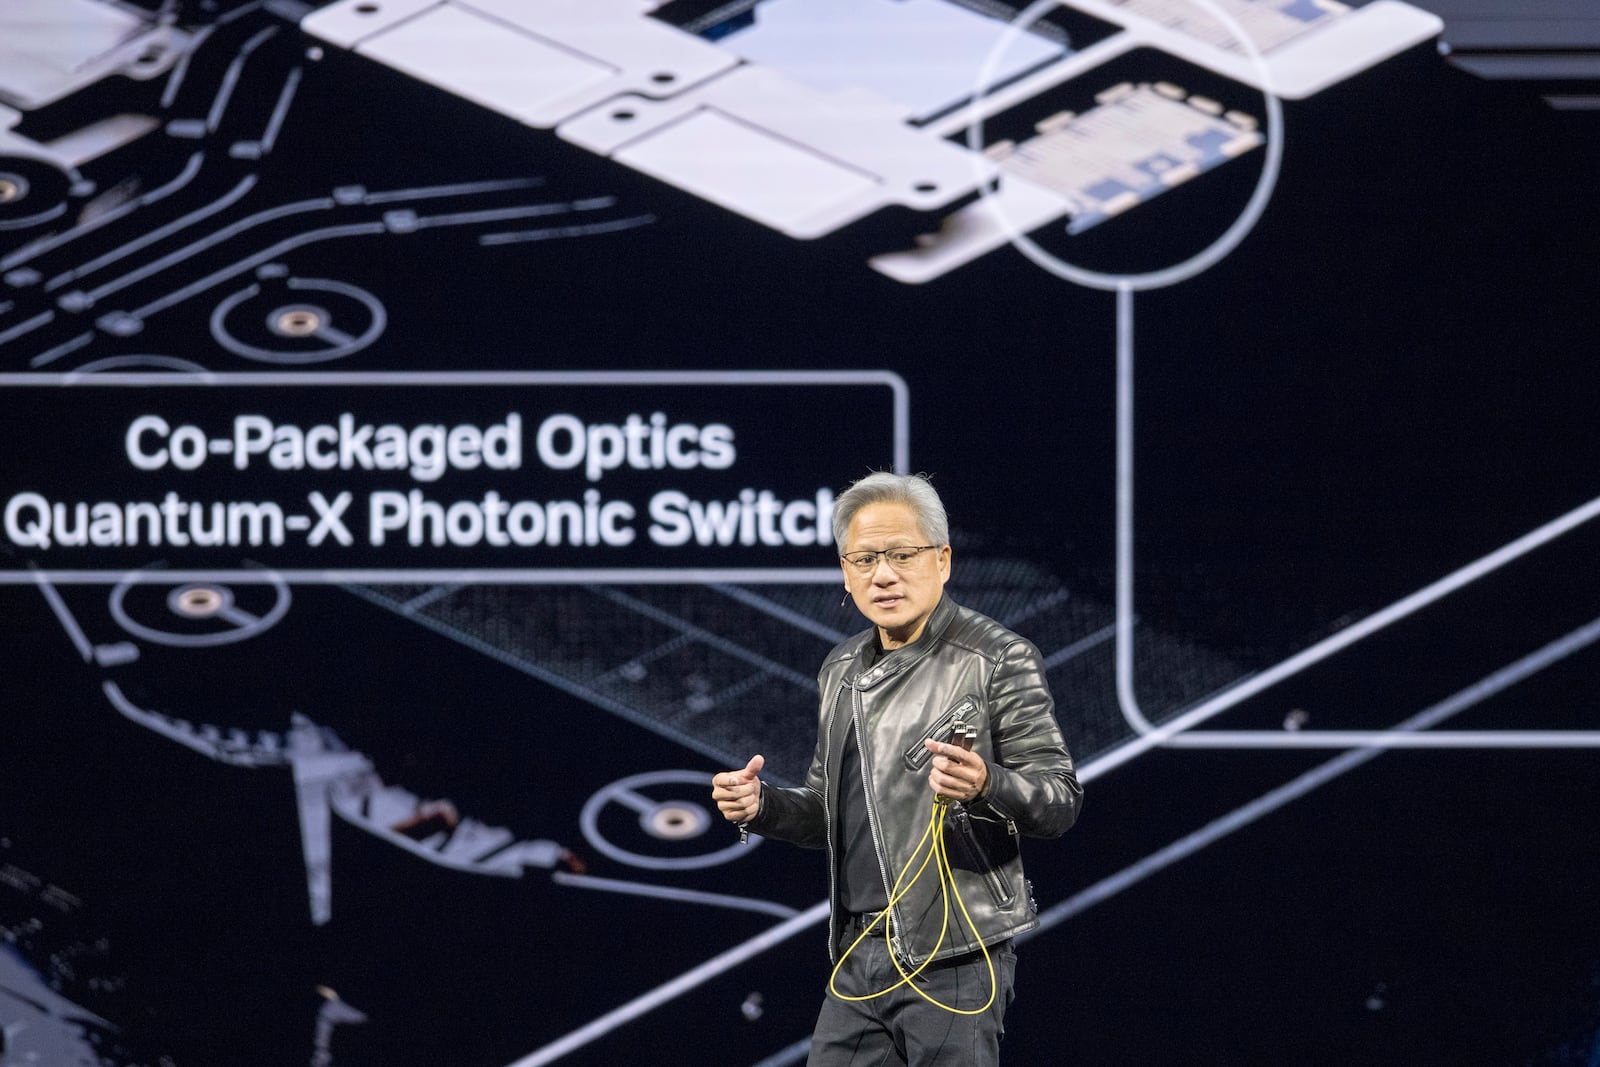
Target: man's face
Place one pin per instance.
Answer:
(897, 601)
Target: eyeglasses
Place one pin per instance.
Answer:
(899, 558)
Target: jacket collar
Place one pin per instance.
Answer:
(901, 659)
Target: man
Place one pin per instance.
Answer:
(889, 699)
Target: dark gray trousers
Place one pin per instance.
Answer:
(901, 1028)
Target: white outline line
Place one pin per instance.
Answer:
(1386, 739)
(448, 189)
(1080, 646)
(250, 262)
(1165, 734)
(239, 12)
(778, 611)
(29, 252)
(69, 622)
(1127, 699)
(41, 319)
(150, 237)
(1297, 787)
(66, 348)
(142, 379)
(280, 111)
(1451, 582)
(684, 896)
(175, 79)
(558, 233)
(230, 77)
(282, 211)
(727, 647)
(373, 228)
(648, 1002)
(899, 395)
(432, 596)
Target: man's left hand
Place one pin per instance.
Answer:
(956, 773)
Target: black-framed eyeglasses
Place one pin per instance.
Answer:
(899, 557)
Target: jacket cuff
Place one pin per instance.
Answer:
(985, 805)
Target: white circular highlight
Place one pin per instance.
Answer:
(1200, 261)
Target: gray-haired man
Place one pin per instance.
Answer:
(890, 696)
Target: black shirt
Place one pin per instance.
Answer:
(860, 874)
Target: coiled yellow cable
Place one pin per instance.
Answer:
(934, 838)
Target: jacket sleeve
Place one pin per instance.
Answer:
(1032, 783)
(796, 815)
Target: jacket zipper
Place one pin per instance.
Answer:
(834, 856)
(991, 877)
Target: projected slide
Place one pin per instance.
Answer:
(421, 425)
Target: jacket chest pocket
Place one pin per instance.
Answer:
(965, 711)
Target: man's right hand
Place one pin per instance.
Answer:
(738, 793)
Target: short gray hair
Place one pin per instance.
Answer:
(914, 491)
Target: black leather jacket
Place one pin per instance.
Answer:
(964, 666)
